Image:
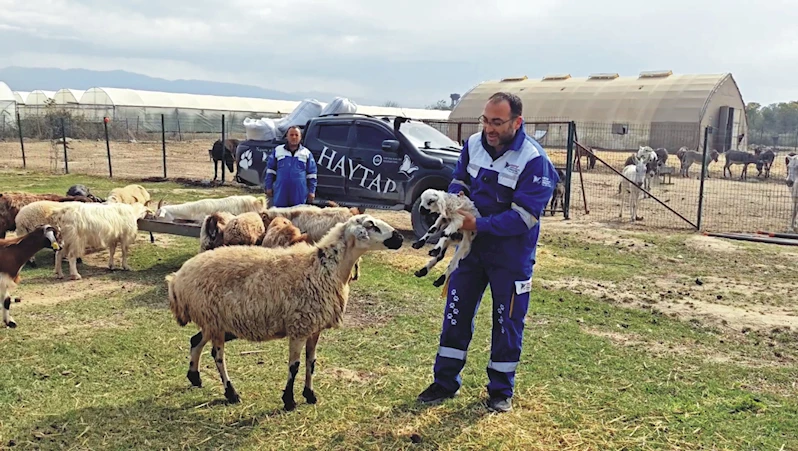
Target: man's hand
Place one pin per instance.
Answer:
(469, 221)
(311, 196)
(269, 193)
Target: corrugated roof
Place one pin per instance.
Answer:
(650, 97)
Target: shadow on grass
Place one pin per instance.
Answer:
(152, 423)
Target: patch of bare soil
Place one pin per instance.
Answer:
(366, 310)
(660, 348)
(711, 244)
(350, 376)
(672, 298)
(68, 290)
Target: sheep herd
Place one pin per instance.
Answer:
(230, 288)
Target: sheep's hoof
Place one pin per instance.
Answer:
(126, 268)
(288, 401)
(418, 244)
(457, 236)
(439, 281)
(75, 277)
(32, 264)
(194, 378)
(421, 272)
(310, 397)
(230, 394)
(434, 252)
(80, 260)
(17, 300)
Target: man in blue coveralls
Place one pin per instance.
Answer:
(291, 173)
(510, 179)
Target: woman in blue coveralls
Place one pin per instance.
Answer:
(291, 173)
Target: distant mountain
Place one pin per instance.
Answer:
(47, 79)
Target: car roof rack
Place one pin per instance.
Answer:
(345, 114)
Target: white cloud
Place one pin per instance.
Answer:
(412, 51)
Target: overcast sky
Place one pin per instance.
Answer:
(413, 52)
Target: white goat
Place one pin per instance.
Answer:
(199, 209)
(635, 172)
(97, 226)
(450, 221)
(792, 177)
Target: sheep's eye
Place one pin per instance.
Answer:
(377, 229)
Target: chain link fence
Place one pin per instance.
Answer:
(682, 196)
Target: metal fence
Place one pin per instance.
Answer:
(136, 148)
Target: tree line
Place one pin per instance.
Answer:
(773, 125)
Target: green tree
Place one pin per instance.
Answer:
(440, 105)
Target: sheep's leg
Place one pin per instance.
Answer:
(794, 215)
(125, 266)
(218, 356)
(439, 223)
(111, 252)
(73, 269)
(432, 262)
(198, 342)
(7, 319)
(310, 367)
(295, 346)
(620, 212)
(59, 258)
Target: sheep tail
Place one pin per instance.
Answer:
(179, 310)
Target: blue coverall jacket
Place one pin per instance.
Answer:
(291, 176)
(510, 191)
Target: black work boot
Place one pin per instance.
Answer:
(500, 403)
(434, 394)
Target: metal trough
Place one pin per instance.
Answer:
(185, 229)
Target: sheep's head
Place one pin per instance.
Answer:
(371, 233)
(714, 155)
(51, 237)
(432, 201)
(792, 169)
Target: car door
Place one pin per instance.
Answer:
(329, 144)
(375, 170)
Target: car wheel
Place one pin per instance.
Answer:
(422, 223)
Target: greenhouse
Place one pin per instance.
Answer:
(8, 104)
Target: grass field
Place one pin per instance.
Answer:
(634, 340)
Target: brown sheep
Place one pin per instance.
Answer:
(282, 233)
(10, 204)
(260, 294)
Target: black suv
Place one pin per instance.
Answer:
(364, 161)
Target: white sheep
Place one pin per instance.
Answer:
(449, 221)
(635, 172)
(130, 194)
(261, 294)
(36, 214)
(199, 209)
(97, 226)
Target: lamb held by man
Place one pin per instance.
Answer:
(449, 221)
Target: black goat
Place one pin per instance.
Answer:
(226, 153)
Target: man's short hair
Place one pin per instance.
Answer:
(294, 127)
(516, 106)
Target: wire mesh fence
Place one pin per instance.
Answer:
(163, 146)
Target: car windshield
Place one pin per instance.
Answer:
(419, 132)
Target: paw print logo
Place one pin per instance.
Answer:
(449, 316)
(500, 309)
(456, 311)
(451, 305)
(456, 298)
(454, 322)
(246, 160)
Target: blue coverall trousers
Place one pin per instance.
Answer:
(291, 183)
(485, 266)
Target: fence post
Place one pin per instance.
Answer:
(63, 139)
(21, 141)
(108, 147)
(569, 168)
(163, 144)
(224, 151)
(704, 165)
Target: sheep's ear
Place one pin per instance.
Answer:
(368, 224)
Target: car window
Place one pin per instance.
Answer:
(334, 134)
(371, 137)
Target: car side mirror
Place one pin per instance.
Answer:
(390, 145)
